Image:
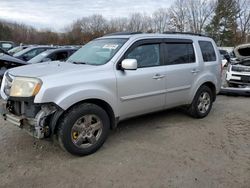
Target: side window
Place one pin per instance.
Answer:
(62, 56)
(52, 56)
(29, 55)
(179, 53)
(32, 53)
(6, 46)
(147, 55)
(40, 50)
(207, 51)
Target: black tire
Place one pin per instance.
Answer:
(193, 109)
(69, 119)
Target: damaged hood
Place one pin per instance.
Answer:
(242, 51)
(49, 68)
(11, 59)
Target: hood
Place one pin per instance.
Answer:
(49, 69)
(8, 58)
(242, 51)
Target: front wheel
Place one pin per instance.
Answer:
(83, 129)
(202, 103)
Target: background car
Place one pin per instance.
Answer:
(17, 49)
(7, 45)
(238, 73)
(7, 62)
(60, 54)
(2, 51)
(31, 52)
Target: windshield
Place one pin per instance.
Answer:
(39, 57)
(22, 52)
(16, 49)
(97, 52)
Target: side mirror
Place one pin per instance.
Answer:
(46, 59)
(129, 64)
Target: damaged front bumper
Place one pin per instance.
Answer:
(39, 124)
(245, 91)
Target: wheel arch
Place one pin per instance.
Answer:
(99, 102)
(212, 87)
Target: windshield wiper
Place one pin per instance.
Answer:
(78, 62)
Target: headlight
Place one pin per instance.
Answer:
(25, 87)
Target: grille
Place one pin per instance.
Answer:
(8, 83)
(243, 78)
(240, 69)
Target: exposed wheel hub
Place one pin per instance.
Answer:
(86, 131)
(204, 102)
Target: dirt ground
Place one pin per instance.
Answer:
(166, 149)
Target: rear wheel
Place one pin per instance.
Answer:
(83, 129)
(202, 103)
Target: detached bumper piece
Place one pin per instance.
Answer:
(37, 126)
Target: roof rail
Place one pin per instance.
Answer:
(123, 33)
(184, 33)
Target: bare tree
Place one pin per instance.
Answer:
(198, 13)
(243, 19)
(160, 20)
(178, 16)
(93, 24)
(139, 22)
(118, 24)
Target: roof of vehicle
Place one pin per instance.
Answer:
(135, 35)
(47, 53)
(2, 41)
(61, 49)
(31, 48)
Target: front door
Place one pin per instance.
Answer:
(142, 90)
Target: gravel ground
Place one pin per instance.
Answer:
(166, 149)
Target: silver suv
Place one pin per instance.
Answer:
(110, 79)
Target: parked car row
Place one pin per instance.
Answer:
(7, 45)
(28, 54)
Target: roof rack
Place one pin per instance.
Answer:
(123, 33)
(184, 33)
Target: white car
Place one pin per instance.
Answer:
(238, 74)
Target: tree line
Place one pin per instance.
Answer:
(226, 21)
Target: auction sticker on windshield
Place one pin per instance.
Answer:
(110, 46)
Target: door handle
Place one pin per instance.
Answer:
(158, 76)
(195, 71)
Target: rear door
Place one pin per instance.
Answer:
(182, 70)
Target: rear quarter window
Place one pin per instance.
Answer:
(207, 51)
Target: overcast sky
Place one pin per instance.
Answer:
(56, 14)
